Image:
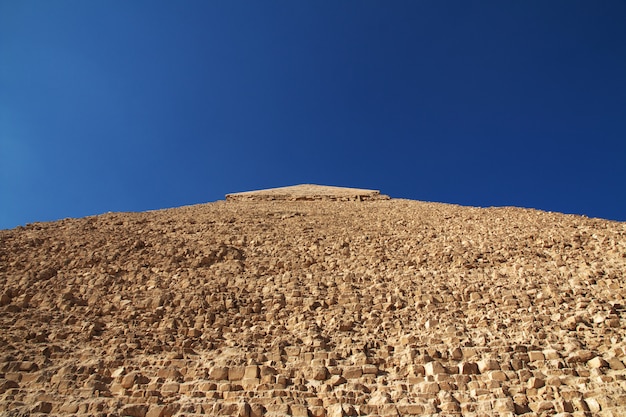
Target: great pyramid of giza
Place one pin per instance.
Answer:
(331, 302)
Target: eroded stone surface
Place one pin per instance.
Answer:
(319, 308)
(308, 192)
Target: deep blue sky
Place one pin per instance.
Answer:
(137, 105)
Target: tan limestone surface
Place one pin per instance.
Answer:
(308, 192)
(314, 308)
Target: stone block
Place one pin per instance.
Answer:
(69, 408)
(352, 372)
(542, 407)
(336, 380)
(488, 365)
(134, 410)
(535, 382)
(434, 368)
(428, 387)
(551, 354)
(317, 373)
(597, 362)
(411, 409)
(219, 373)
(593, 404)
(450, 407)
(265, 370)
(317, 411)
(504, 405)
(581, 356)
(498, 376)
(128, 380)
(250, 383)
(251, 371)
(298, 410)
(277, 408)
(370, 369)
(236, 373)
(554, 381)
(170, 388)
(615, 364)
(43, 407)
(468, 368)
(387, 410)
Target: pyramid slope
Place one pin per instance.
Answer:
(390, 307)
(307, 192)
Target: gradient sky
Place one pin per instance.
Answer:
(137, 105)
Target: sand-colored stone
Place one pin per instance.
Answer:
(307, 192)
(314, 301)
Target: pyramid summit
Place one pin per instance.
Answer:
(308, 192)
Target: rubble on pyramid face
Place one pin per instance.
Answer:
(314, 308)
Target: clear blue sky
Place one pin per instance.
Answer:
(137, 105)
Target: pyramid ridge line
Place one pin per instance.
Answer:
(308, 192)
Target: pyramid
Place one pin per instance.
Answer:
(308, 192)
(314, 308)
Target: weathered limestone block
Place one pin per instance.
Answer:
(554, 381)
(298, 410)
(292, 351)
(504, 405)
(561, 406)
(129, 380)
(187, 387)
(317, 373)
(340, 410)
(370, 369)
(135, 410)
(468, 368)
(352, 372)
(336, 380)
(615, 364)
(43, 407)
(69, 408)
(428, 387)
(416, 370)
(117, 388)
(335, 410)
(206, 386)
(316, 411)
(488, 365)
(580, 404)
(265, 370)
(497, 376)
(581, 356)
(236, 373)
(450, 407)
(551, 354)
(219, 373)
(434, 368)
(388, 410)
(170, 388)
(251, 371)
(535, 382)
(597, 362)
(613, 322)
(249, 384)
(379, 398)
(277, 409)
(541, 407)
(171, 373)
(593, 404)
